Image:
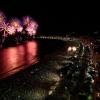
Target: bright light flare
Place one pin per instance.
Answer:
(15, 23)
(69, 48)
(73, 49)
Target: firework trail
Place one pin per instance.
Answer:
(27, 20)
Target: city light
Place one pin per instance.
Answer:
(72, 49)
(69, 48)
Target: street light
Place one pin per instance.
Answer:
(72, 49)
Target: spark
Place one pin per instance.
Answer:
(72, 48)
(7, 29)
(3, 28)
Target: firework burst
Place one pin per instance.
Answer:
(20, 29)
(2, 17)
(27, 20)
(4, 28)
(11, 30)
(16, 24)
(32, 28)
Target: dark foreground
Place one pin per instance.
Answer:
(59, 75)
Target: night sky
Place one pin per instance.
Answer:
(56, 17)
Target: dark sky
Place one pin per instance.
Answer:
(55, 16)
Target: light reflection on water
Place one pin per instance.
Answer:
(13, 59)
